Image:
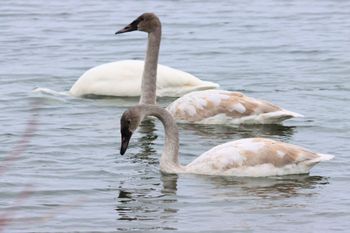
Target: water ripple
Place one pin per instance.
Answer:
(71, 178)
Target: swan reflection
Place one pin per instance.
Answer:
(157, 202)
(241, 131)
(267, 187)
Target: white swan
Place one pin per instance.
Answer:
(202, 107)
(245, 157)
(123, 78)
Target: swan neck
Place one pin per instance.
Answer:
(149, 77)
(169, 161)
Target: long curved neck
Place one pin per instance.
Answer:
(149, 77)
(169, 161)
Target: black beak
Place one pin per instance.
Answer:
(129, 28)
(125, 141)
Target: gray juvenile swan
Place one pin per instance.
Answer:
(201, 107)
(245, 157)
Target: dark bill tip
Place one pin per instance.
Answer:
(133, 26)
(123, 31)
(129, 28)
(125, 143)
(123, 148)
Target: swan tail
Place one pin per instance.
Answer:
(320, 158)
(291, 114)
(325, 157)
(278, 116)
(204, 85)
(209, 85)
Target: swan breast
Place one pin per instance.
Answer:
(255, 157)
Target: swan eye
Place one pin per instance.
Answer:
(129, 121)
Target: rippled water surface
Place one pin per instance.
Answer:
(69, 176)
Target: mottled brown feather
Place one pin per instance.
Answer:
(252, 107)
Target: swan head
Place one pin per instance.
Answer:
(147, 22)
(129, 122)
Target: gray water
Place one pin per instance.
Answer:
(65, 174)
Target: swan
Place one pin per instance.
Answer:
(123, 78)
(206, 106)
(245, 157)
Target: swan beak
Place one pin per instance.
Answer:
(125, 141)
(129, 28)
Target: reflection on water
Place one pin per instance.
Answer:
(146, 152)
(146, 141)
(169, 182)
(169, 200)
(125, 102)
(239, 131)
(160, 201)
(270, 187)
(157, 202)
(285, 187)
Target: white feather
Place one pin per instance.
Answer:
(123, 78)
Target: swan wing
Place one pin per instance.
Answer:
(123, 78)
(225, 107)
(255, 157)
(173, 82)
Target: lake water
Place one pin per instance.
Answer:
(69, 177)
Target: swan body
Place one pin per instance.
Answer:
(205, 106)
(226, 107)
(256, 157)
(123, 78)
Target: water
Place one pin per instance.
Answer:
(69, 177)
